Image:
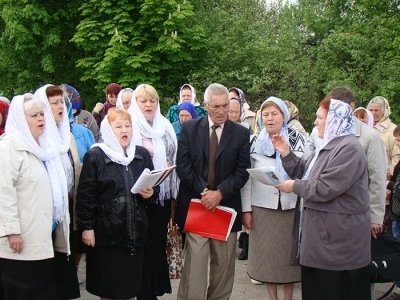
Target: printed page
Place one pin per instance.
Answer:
(268, 175)
(151, 179)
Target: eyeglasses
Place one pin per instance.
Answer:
(224, 107)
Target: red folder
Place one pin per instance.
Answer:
(216, 225)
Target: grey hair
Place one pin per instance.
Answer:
(215, 89)
(379, 100)
(30, 102)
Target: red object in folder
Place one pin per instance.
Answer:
(215, 225)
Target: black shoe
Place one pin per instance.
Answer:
(243, 255)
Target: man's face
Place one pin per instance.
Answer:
(217, 108)
(376, 110)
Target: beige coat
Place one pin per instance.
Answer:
(385, 130)
(26, 203)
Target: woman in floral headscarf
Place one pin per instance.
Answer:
(334, 237)
(246, 115)
(80, 116)
(267, 212)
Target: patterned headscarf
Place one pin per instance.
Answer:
(188, 107)
(3, 112)
(293, 110)
(74, 97)
(263, 143)
(339, 122)
(242, 102)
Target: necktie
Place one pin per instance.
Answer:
(211, 157)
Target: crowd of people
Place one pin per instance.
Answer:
(68, 174)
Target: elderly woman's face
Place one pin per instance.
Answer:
(36, 121)
(376, 110)
(320, 121)
(184, 115)
(57, 107)
(234, 111)
(126, 99)
(122, 129)
(147, 106)
(272, 118)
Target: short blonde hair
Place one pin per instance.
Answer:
(146, 90)
(118, 112)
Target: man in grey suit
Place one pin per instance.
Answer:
(213, 155)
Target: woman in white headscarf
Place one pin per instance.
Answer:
(113, 220)
(152, 131)
(64, 239)
(267, 212)
(33, 200)
(365, 116)
(124, 98)
(334, 237)
(186, 94)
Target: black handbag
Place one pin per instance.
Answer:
(385, 259)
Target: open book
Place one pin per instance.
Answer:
(216, 225)
(151, 179)
(268, 175)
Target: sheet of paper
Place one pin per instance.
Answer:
(268, 175)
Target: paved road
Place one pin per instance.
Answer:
(242, 290)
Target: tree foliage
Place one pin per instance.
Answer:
(132, 42)
(297, 52)
(35, 45)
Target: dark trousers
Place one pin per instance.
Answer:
(318, 284)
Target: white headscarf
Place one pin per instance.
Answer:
(17, 127)
(370, 116)
(112, 147)
(161, 129)
(120, 104)
(60, 133)
(193, 100)
(263, 143)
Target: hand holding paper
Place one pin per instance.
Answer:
(286, 187)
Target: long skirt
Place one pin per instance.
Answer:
(27, 280)
(318, 284)
(270, 243)
(114, 273)
(156, 280)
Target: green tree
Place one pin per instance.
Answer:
(35, 45)
(133, 42)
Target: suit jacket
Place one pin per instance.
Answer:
(233, 158)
